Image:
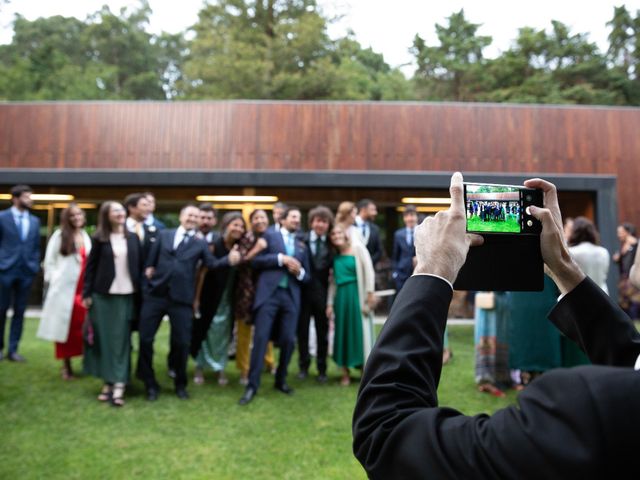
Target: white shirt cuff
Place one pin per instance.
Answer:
(300, 276)
(437, 276)
(280, 259)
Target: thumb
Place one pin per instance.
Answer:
(475, 240)
(545, 216)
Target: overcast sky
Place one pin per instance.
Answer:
(386, 26)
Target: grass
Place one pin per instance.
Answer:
(510, 225)
(54, 429)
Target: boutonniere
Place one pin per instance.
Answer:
(152, 229)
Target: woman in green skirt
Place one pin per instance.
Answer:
(113, 273)
(351, 302)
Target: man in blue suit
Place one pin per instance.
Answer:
(19, 263)
(403, 250)
(283, 266)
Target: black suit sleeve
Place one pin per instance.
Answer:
(212, 262)
(395, 255)
(154, 253)
(589, 317)
(376, 247)
(399, 431)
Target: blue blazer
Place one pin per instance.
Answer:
(402, 257)
(271, 274)
(13, 249)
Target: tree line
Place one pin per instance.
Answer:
(280, 50)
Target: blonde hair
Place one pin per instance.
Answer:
(343, 213)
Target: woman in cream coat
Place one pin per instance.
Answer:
(63, 313)
(584, 247)
(351, 301)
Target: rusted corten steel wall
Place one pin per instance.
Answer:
(307, 136)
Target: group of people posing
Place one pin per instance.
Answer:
(495, 211)
(253, 284)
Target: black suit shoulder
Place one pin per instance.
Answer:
(568, 424)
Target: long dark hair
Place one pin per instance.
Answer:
(229, 217)
(104, 230)
(583, 230)
(67, 231)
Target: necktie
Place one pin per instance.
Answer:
(140, 231)
(290, 246)
(364, 231)
(183, 242)
(410, 236)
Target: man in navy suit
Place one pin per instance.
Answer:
(403, 250)
(19, 263)
(283, 266)
(170, 289)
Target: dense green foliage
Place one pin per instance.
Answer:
(55, 429)
(280, 49)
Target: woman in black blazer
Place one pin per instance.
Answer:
(113, 275)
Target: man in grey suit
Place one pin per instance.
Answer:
(19, 263)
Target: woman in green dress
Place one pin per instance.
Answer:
(534, 342)
(351, 302)
(210, 338)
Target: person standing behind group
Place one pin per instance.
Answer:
(283, 266)
(628, 295)
(250, 245)
(112, 276)
(404, 252)
(63, 312)
(350, 301)
(314, 294)
(207, 220)
(276, 212)
(19, 263)
(370, 232)
(211, 333)
(584, 247)
(346, 218)
(151, 221)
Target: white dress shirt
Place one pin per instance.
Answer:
(180, 234)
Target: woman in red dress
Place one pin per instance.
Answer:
(63, 314)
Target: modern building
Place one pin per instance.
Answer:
(306, 153)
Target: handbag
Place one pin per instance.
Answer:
(486, 300)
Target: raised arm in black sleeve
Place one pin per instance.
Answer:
(589, 317)
(570, 423)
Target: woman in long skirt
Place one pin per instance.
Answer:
(112, 276)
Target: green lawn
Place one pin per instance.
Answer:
(510, 225)
(55, 429)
